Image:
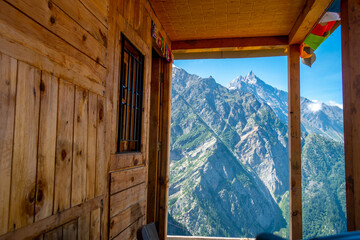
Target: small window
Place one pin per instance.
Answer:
(130, 98)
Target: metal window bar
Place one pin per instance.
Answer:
(129, 128)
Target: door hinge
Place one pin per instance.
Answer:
(159, 144)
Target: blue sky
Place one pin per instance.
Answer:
(321, 82)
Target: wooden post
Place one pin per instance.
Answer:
(295, 202)
(350, 33)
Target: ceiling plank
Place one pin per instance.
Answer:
(246, 43)
(307, 19)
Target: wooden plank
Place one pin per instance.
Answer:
(46, 148)
(124, 179)
(56, 21)
(124, 199)
(99, 8)
(45, 225)
(350, 33)
(78, 189)
(64, 144)
(295, 201)
(91, 159)
(70, 230)
(308, 18)
(95, 224)
(24, 54)
(56, 234)
(84, 227)
(23, 179)
(230, 42)
(124, 219)
(77, 11)
(101, 166)
(8, 72)
(165, 152)
(45, 43)
(125, 160)
(132, 231)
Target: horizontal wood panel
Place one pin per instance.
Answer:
(126, 160)
(99, 8)
(126, 218)
(126, 198)
(56, 21)
(45, 225)
(44, 42)
(132, 231)
(127, 178)
(40, 61)
(77, 11)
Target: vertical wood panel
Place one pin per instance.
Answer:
(295, 201)
(350, 34)
(78, 191)
(70, 230)
(22, 201)
(84, 227)
(64, 143)
(101, 166)
(56, 234)
(95, 224)
(46, 148)
(92, 125)
(8, 71)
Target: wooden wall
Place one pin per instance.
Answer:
(59, 76)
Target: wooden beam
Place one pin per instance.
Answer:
(310, 15)
(350, 33)
(230, 43)
(295, 200)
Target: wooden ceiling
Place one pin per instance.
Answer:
(209, 19)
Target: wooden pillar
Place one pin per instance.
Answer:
(350, 34)
(295, 202)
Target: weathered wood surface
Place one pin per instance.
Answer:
(91, 158)
(124, 179)
(23, 179)
(8, 73)
(132, 231)
(295, 200)
(70, 230)
(49, 87)
(350, 33)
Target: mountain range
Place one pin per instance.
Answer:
(229, 159)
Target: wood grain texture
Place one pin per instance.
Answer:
(91, 159)
(122, 180)
(46, 148)
(40, 61)
(84, 227)
(308, 18)
(78, 189)
(40, 40)
(56, 234)
(59, 23)
(124, 219)
(295, 201)
(8, 74)
(350, 33)
(77, 11)
(70, 230)
(23, 179)
(95, 224)
(101, 165)
(99, 8)
(64, 146)
(126, 160)
(47, 224)
(132, 231)
(126, 198)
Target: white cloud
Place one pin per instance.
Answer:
(333, 103)
(314, 106)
